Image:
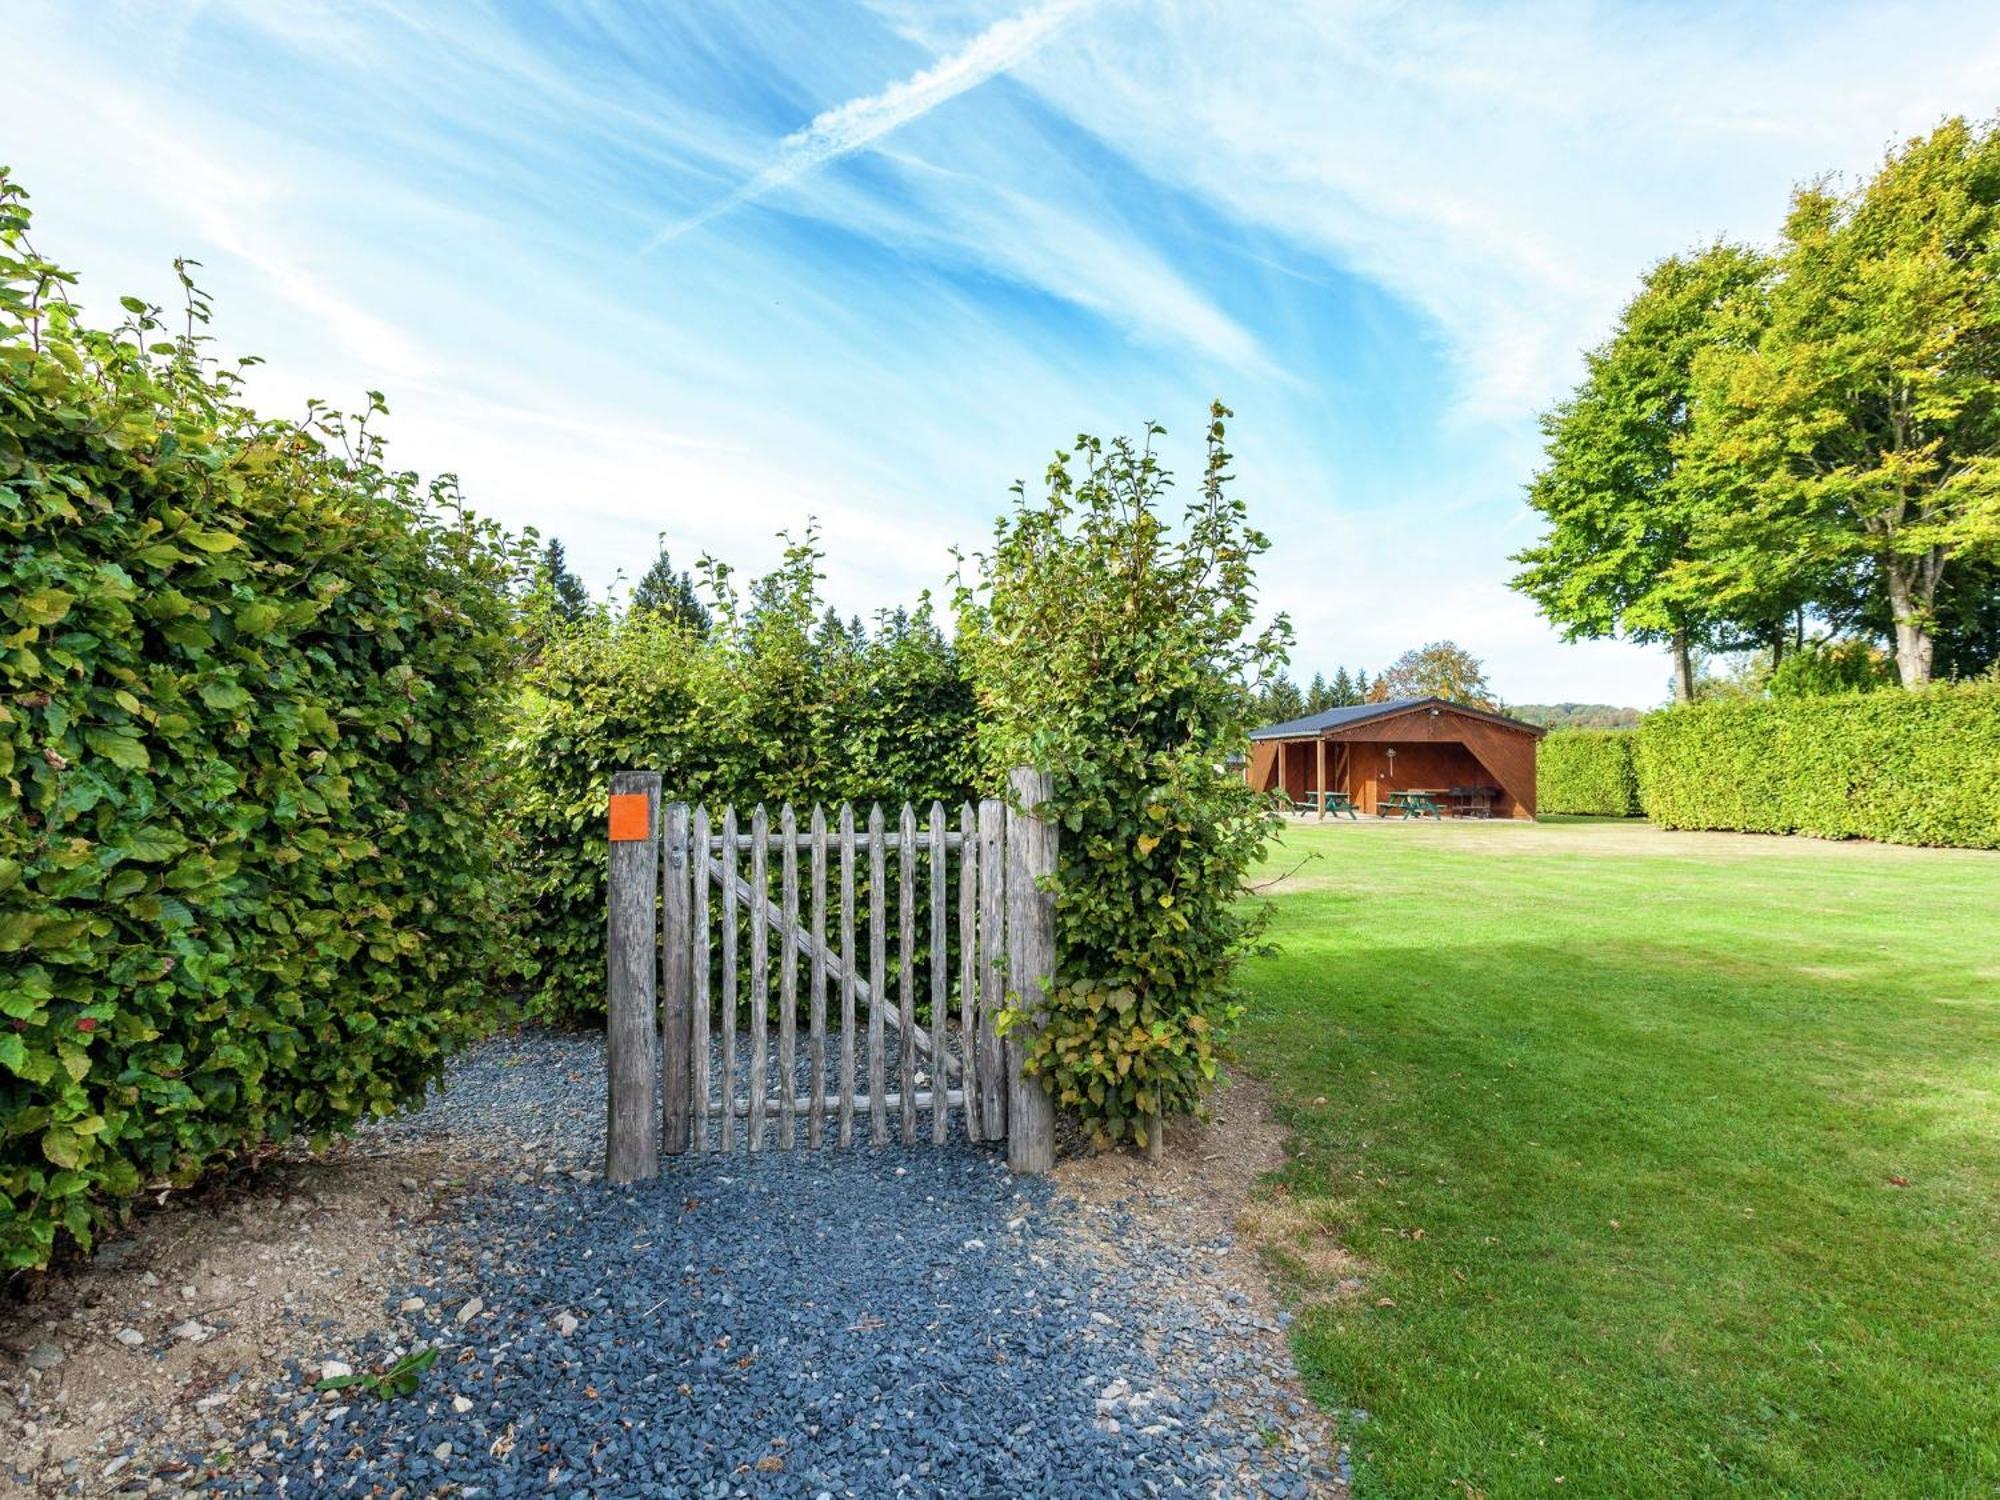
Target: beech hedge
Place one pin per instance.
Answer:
(1112, 648)
(1918, 767)
(1588, 771)
(250, 682)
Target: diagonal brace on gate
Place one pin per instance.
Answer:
(836, 965)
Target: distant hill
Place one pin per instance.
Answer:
(1575, 715)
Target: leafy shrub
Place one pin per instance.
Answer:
(1836, 667)
(248, 678)
(1587, 771)
(1918, 767)
(778, 702)
(1113, 654)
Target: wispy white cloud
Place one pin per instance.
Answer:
(1509, 168)
(858, 123)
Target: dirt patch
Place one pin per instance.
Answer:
(111, 1371)
(1203, 1209)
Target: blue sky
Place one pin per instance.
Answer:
(710, 269)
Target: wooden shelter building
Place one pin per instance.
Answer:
(1370, 750)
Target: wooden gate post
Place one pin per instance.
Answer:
(632, 1131)
(1031, 961)
(676, 981)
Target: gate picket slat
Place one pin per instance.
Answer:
(848, 959)
(760, 967)
(878, 896)
(906, 915)
(940, 963)
(698, 1004)
(674, 982)
(816, 1048)
(992, 940)
(993, 991)
(968, 967)
(788, 987)
(729, 979)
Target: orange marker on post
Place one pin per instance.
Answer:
(631, 817)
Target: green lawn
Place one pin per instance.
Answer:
(1671, 1161)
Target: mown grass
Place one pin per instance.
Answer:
(1671, 1161)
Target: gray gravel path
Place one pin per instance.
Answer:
(839, 1323)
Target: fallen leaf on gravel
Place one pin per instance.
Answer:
(770, 1463)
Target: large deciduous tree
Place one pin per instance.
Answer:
(1624, 513)
(1443, 669)
(1866, 414)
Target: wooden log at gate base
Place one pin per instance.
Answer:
(878, 895)
(788, 987)
(698, 1004)
(848, 959)
(760, 968)
(632, 1125)
(940, 967)
(992, 965)
(675, 982)
(968, 966)
(816, 1048)
(1031, 953)
(728, 1079)
(906, 949)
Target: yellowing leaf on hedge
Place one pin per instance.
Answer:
(63, 1147)
(1147, 843)
(212, 541)
(255, 619)
(16, 927)
(43, 606)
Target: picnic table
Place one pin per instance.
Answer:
(1332, 804)
(1417, 802)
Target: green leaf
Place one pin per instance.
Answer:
(212, 541)
(120, 749)
(153, 845)
(224, 696)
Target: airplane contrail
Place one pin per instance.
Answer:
(848, 127)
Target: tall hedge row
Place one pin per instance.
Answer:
(249, 683)
(1905, 767)
(1588, 771)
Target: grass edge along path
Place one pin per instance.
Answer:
(1633, 1163)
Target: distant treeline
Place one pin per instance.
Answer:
(1575, 715)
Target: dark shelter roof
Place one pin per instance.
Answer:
(1361, 713)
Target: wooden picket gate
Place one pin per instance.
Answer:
(682, 910)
